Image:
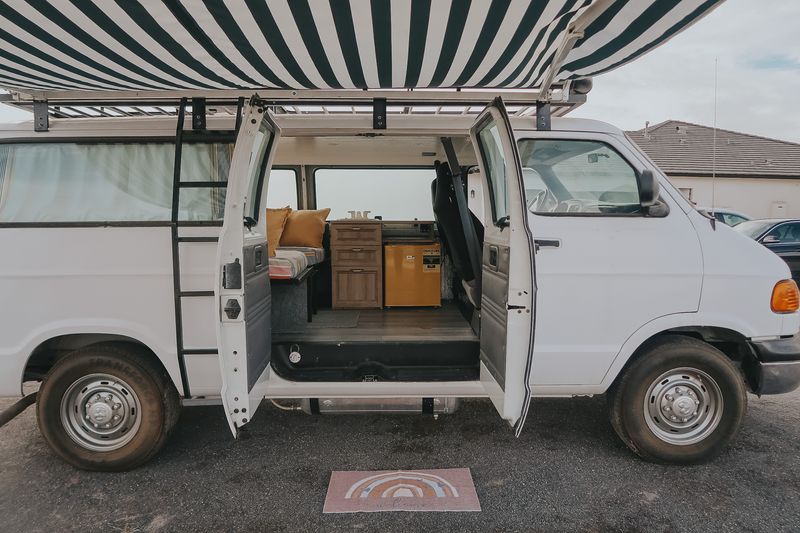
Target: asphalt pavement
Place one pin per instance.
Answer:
(567, 472)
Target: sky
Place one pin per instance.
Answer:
(757, 49)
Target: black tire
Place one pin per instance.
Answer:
(157, 415)
(644, 427)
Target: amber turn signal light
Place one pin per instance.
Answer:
(785, 297)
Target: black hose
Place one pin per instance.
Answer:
(17, 408)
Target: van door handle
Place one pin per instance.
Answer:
(493, 253)
(546, 243)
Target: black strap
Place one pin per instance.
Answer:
(473, 244)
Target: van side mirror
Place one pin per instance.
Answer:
(648, 188)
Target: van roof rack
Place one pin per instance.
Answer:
(453, 102)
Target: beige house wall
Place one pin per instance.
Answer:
(757, 197)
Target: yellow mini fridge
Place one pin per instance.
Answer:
(412, 274)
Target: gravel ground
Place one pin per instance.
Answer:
(567, 472)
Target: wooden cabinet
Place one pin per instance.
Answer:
(357, 264)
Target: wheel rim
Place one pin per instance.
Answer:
(683, 406)
(101, 412)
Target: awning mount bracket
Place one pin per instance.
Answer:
(41, 118)
(379, 113)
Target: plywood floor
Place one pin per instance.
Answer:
(398, 325)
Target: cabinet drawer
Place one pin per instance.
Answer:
(355, 234)
(356, 256)
(357, 288)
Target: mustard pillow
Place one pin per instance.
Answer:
(305, 228)
(276, 222)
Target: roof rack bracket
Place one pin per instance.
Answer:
(543, 116)
(41, 118)
(198, 114)
(379, 113)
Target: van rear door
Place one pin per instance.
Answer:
(242, 284)
(508, 283)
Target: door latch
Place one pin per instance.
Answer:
(232, 309)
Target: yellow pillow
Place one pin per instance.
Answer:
(276, 222)
(305, 228)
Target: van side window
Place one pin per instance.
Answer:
(392, 193)
(282, 188)
(108, 182)
(577, 177)
(204, 162)
(495, 164)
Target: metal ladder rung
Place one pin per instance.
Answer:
(198, 239)
(195, 294)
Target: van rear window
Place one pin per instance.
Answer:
(108, 182)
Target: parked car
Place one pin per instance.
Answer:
(727, 216)
(782, 236)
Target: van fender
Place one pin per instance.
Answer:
(15, 359)
(666, 323)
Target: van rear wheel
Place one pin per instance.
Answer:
(105, 407)
(682, 401)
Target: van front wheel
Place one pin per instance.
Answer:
(680, 402)
(105, 407)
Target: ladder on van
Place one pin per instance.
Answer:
(198, 133)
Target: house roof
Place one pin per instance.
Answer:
(686, 149)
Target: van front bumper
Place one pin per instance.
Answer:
(777, 367)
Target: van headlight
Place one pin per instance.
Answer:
(785, 297)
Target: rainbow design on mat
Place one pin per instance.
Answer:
(443, 489)
(402, 485)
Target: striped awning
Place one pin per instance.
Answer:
(151, 45)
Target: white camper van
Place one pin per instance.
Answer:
(137, 275)
(360, 236)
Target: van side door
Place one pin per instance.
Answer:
(242, 278)
(507, 278)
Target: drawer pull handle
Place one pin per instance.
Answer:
(356, 228)
(357, 270)
(356, 249)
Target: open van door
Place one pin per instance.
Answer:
(242, 286)
(508, 277)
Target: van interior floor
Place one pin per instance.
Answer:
(400, 344)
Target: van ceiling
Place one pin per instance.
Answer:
(368, 150)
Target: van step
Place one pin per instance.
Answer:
(433, 406)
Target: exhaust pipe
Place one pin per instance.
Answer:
(16, 409)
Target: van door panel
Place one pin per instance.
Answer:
(507, 277)
(242, 285)
(608, 277)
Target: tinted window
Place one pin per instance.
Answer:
(392, 193)
(786, 233)
(565, 176)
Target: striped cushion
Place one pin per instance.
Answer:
(314, 256)
(287, 264)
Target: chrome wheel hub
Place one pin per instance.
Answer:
(683, 406)
(100, 412)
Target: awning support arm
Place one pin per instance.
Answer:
(379, 113)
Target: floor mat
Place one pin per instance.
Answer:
(337, 319)
(407, 490)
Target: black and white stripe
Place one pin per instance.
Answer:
(123, 45)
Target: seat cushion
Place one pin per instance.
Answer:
(314, 256)
(276, 222)
(287, 264)
(305, 228)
